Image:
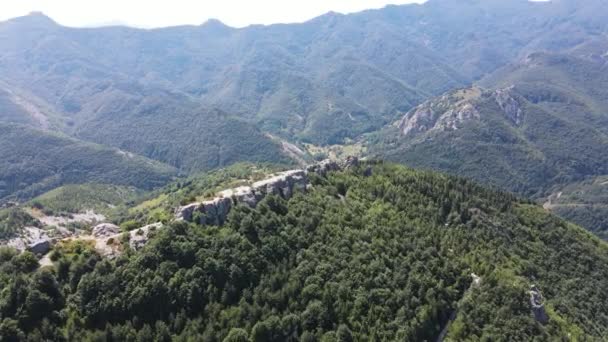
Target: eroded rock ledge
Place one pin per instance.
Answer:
(284, 184)
(110, 242)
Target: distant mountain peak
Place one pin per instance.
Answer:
(328, 17)
(214, 22)
(35, 19)
(215, 25)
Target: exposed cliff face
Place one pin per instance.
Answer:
(510, 105)
(284, 184)
(110, 242)
(215, 211)
(452, 111)
(448, 112)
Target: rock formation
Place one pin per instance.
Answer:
(323, 167)
(139, 237)
(110, 242)
(536, 303)
(446, 113)
(113, 245)
(509, 105)
(215, 211)
(105, 230)
(284, 184)
(33, 239)
(452, 111)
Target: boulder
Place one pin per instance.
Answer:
(32, 239)
(41, 246)
(536, 303)
(105, 230)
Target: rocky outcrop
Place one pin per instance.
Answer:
(113, 245)
(446, 113)
(509, 105)
(284, 184)
(32, 239)
(453, 119)
(323, 167)
(328, 165)
(536, 303)
(421, 119)
(40, 247)
(215, 211)
(105, 230)
(139, 237)
(452, 111)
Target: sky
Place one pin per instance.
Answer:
(160, 13)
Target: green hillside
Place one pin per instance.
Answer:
(101, 198)
(191, 139)
(540, 127)
(572, 87)
(13, 220)
(529, 157)
(33, 161)
(380, 252)
(322, 81)
(585, 203)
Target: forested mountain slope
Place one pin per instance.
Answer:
(377, 252)
(203, 97)
(323, 80)
(585, 203)
(540, 126)
(34, 161)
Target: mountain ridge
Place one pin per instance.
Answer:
(376, 238)
(539, 126)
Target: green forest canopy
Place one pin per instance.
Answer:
(386, 256)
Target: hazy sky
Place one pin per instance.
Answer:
(156, 13)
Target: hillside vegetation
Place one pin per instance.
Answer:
(330, 78)
(380, 252)
(203, 97)
(585, 203)
(100, 198)
(540, 128)
(34, 161)
(13, 220)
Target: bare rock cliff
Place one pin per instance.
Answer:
(215, 211)
(284, 184)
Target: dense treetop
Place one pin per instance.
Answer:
(386, 256)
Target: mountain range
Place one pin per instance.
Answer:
(181, 183)
(535, 127)
(221, 94)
